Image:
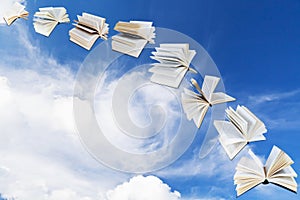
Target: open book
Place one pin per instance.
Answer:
(46, 19)
(133, 37)
(250, 171)
(243, 127)
(174, 62)
(15, 12)
(195, 105)
(88, 29)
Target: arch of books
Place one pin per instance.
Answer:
(110, 81)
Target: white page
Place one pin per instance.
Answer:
(194, 107)
(251, 121)
(83, 35)
(45, 28)
(280, 161)
(193, 96)
(92, 31)
(254, 124)
(105, 30)
(220, 97)
(168, 81)
(273, 157)
(256, 159)
(230, 138)
(287, 182)
(88, 22)
(131, 42)
(59, 13)
(129, 49)
(285, 172)
(173, 53)
(144, 29)
(227, 129)
(142, 23)
(169, 72)
(191, 54)
(199, 116)
(238, 121)
(248, 165)
(242, 188)
(257, 138)
(18, 8)
(99, 20)
(44, 15)
(258, 128)
(209, 85)
(231, 149)
(184, 46)
(163, 65)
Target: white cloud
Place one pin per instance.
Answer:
(146, 188)
(146, 95)
(6, 5)
(138, 109)
(66, 194)
(41, 154)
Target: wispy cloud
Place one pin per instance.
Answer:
(278, 96)
(216, 164)
(279, 110)
(215, 193)
(213, 173)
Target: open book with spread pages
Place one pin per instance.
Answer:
(243, 127)
(174, 62)
(15, 12)
(195, 105)
(133, 37)
(251, 172)
(46, 19)
(88, 29)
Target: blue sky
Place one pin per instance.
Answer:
(255, 45)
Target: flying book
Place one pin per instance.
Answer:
(195, 105)
(250, 172)
(46, 19)
(88, 29)
(174, 62)
(243, 127)
(15, 12)
(133, 37)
